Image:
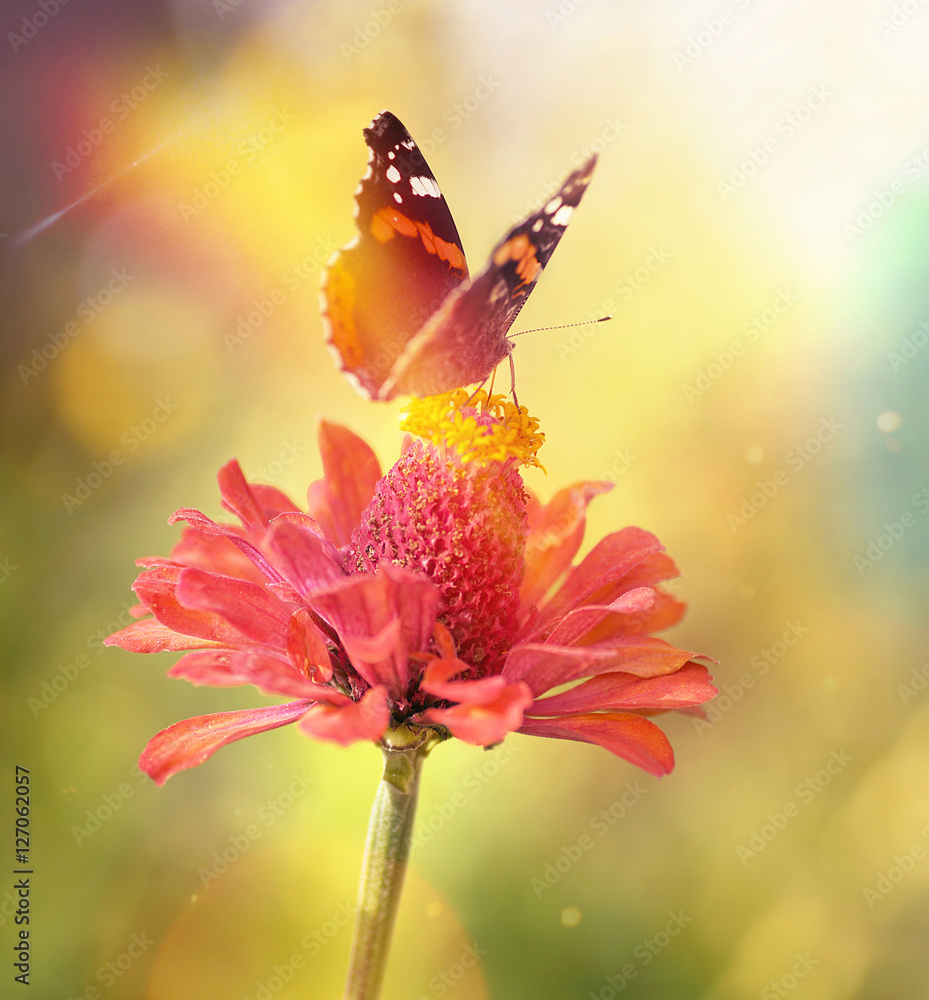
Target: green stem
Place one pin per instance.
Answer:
(386, 853)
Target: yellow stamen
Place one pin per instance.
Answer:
(480, 428)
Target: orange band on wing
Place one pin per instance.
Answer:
(340, 300)
(521, 249)
(388, 221)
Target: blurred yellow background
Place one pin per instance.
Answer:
(174, 175)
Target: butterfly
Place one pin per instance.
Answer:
(402, 313)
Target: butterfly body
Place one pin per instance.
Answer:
(404, 315)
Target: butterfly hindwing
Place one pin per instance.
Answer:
(467, 338)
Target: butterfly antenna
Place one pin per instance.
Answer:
(560, 326)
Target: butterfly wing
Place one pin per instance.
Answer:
(465, 339)
(381, 288)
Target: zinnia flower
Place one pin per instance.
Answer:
(419, 598)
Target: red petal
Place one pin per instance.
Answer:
(628, 736)
(684, 688)
(215, 553)
(156, 589)
(304, 556)
(307, 649)
(207, 526)
(607, 562)
(544, 666)
(484, 722)
(556, 531)
(238, 498)
(577, 624)
(208, 667)
(150, 636)
(381, 620)
(191, 742)
(437, 681)
(367, 719)
(273, 675)
(351, 471)
(247, 607)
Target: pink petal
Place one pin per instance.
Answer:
(247, 607)
(484, 722)
(664, 613)
(628, 736)
(576, 624)
(351, 471)
(436, 680)
(156, 589)
(367, 719)
(302, 554)
(277, 676)
(607, 562)
(381, 620)
(191, 742)
(238, 498)
(215, 553)
(556, 531)
(307, 648)
(207, 526)
(544, 666)
(684, 688)
(150, 636)
(208, 667)
(271, 500)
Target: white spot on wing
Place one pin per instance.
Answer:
(393, 174)
(562, 216)
(537, 225)
(390, 154)
(425, 186)
(553, 205)
(397, 198)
